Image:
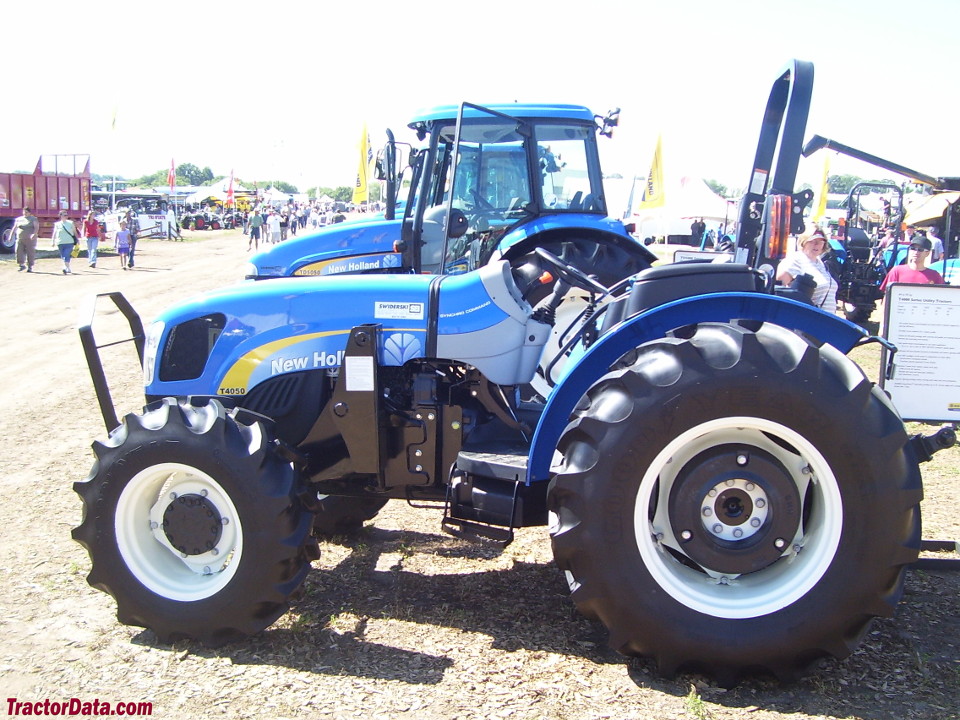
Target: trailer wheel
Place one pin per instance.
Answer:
(192, 523)
(341, 515)
(735, 501)
(8, 241)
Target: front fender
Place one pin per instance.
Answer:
(656, 323)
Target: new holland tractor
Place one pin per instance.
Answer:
(723, 487)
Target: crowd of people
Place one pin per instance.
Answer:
(273, 225)
(66, 235)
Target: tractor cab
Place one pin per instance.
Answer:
(490, 170)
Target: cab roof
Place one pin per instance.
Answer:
(448, 113)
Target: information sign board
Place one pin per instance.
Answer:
(923, 322)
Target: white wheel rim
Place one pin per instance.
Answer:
(148, 553)
(764, 591)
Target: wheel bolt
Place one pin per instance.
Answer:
(738, 533)
(173, 496)
(755, 522)
(718, 528)
(729, 483)
(214, 551)
(154, 525)
(751, 487)
(707, 512)
(760, 502)
(712, 493)
(225, 521)
(204, 493)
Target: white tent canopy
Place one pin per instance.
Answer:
(685, 201)
(218, 191)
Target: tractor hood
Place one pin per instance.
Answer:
(350, 247)
(228, 341)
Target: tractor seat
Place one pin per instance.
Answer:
(665, 283)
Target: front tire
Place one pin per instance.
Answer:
(192, 523)
(735, 501)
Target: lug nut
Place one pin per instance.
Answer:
(755, 522)
(738, 533)
(707, 512)
(718, 528)
(760, 502)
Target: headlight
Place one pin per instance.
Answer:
(150, 347)
(252, 272)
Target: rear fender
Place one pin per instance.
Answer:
(656, 323)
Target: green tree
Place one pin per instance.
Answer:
(194, 175)
(718, 187)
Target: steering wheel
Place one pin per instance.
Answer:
(571, 274)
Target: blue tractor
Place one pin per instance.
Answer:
(487, 183)
(724, 488)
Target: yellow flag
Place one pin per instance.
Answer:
(822, 201)
(360, 192)
(653, 192)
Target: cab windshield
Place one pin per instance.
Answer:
(509, 171)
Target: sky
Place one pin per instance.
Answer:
(282, 90)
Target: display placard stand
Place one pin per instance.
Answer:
(922, 376)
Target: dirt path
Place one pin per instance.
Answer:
(401, 622)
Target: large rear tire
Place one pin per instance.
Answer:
(735, 501)
(192, 523)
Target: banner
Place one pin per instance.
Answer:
(821, 210)
(653, 192)
(230, 191)
(360, 190)
(171, 177)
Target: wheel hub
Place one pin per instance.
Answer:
(192, 524)
(733, 508)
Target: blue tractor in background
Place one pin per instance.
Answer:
(723, 487)
(487, 183)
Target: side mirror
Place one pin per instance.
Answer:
(608, 122)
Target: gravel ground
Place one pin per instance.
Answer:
(401, 621)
